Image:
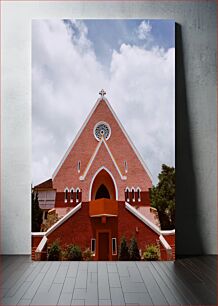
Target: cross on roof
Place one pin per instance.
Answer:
(102, 93)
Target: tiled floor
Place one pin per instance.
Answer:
(190, 281)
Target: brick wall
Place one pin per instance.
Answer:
(84, 148)
(60, 199)
(80, 228)
(144, 196)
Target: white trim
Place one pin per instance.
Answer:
(77, 198)
(41, 245)
(127, 189)
(146, 221)
(133, 198)
(115, 246)
(66, 199)
(93, 157)
(78, 166)
(93, 178)
(165, 243)
(82, 177)
(135, 212)
(62, 220)
(82, 128)
(105, 123)
(138, 190)
(37, 234)
(76, 138)
(125, 166)
(55, 226)
(130, 141)
(123, 177)
(71, 199)
(168, 232)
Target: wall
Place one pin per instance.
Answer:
(196, 113)
(72, 231)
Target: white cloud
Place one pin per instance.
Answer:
(144, 30)
(67, 78)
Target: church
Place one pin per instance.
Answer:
(99, 193)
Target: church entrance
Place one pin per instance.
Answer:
(103, 209)
(103, 246)
(103, 186)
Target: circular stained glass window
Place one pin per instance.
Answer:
(102, 129)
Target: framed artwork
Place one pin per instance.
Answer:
(103, 139)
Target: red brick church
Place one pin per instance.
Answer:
(100, 192)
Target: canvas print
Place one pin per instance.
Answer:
(103, 140)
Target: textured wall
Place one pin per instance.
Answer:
(196, 113)
(83, 150)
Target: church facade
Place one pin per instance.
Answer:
(100, 193)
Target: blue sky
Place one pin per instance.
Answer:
(72, 60)
(108, 35)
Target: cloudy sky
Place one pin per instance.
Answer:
(72, 60)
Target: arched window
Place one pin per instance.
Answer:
(66, 194)
(78, 166)
(102, 192)
(71, 195)
(127, 194)
(125, 166)
(133, 194)
(77, 194)
(139, 194)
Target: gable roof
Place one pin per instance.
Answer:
(122, 129)
(45, 185)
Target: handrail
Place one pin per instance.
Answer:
(146, 221)
(53, 227)
(41, 244)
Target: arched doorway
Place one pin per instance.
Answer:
(103, 186)
(103, 209)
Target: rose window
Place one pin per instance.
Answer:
(102, 129)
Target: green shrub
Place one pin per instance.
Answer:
(151, 253)
(134, 250)
(88, 255)
(54, 252)
(74, 252)
(123, 250)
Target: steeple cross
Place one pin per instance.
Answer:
(102, 93)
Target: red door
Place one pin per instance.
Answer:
(103, 246)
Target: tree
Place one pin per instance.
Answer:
(163, 197)
(123, 250)
(36, 213)
(134, 250)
